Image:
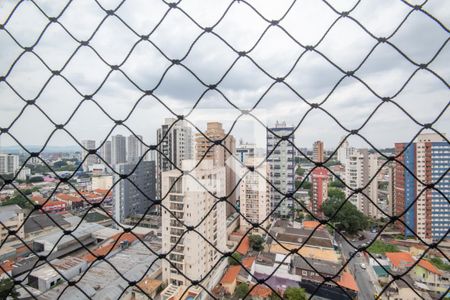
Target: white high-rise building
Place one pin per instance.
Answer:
(175, 145)
(344, 152)
(118, 149)
(192, 204)
(281, 163)
(9, 163)
(254, 194)
(90, 159)
(361, 168)
(135, 148)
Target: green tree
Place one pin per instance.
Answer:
(337, 184)
(241, 291)
(335, 193)
(438, 262)
(7, 289)
(256, 242)
(306, 185)
(19, 200)
(380, 247)
(347, 218)
(294, 293)
(234, 259)
(36, 179)
(300, 171)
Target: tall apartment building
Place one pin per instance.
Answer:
(220, 157)
(90, 159)
(105, 152)
(175, 145)
(360, 169)
(318, 151)
(135, 148)
(254, 193)
(319, 180)
(9, 163)
(191, 204)
(118, 149)
(128, 200)
(319, 189)
(428, 212)
(344, 152)
(281, 163)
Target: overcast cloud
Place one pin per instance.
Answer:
(312, 77)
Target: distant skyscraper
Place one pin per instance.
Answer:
(118, 149)
(135, 148)
(245, 150)
(9, 163)
(428, 212)
(193, 255)
(220, 157)
(360, 169)
(128, 200)
(281, 164)
(105, 152)
(318, 151)
(319, 189)
(254, 193)
(90, 159)
(175, 145)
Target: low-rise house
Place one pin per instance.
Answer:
(426, 273)
(400, 261)
(314, 270)
(73, 201)
(404, 288)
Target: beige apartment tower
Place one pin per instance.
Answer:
(204, 150)
(192, 203)
(254, 193)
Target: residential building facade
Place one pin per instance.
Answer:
(281, 163)
(191, 203)
(427, 210)
(133, 195)
(221, 156)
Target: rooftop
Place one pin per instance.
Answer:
(324, 268)
(429, 267)
(9, 211)
(244, 245)
(38, 222)
(103, 282)
(347, 281)
(230, 275)
(400, 259)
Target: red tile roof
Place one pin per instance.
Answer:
(6, 266)
(54, 202)
(68, 197)
(347, 281)
(429, 267)
(110, 246)
(261, 291)
(248, 262)
(311, 224)
(244, 245)
(231, 274)
(400, 259)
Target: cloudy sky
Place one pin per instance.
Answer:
(273, 51)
